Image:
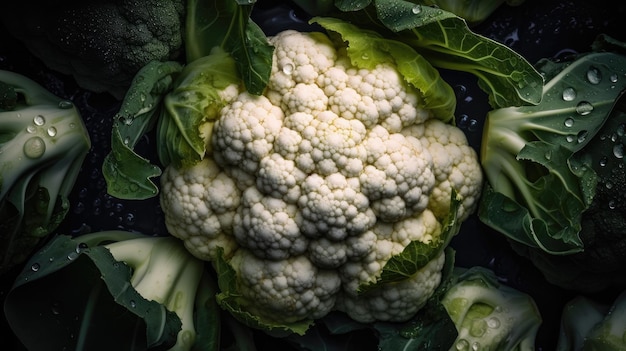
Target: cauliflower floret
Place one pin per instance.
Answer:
(390, 240)
(326, 253)
(299, 58)
(454, 166)
(377, 96)
(288, 290)
(334, 207)
(398, 178)
(199, 205)
(279, 177)
(245, 132)
(268, 227)
(324, 143)
(395, 302)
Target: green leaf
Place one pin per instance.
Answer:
(351, 5)
(367, 48)
(127, 174)
(72, 296)
(189, 109)
(541, 179)
(227, 25)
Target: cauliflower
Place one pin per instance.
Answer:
(311, 190)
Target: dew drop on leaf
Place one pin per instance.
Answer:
(39, 120)
(493, 322)
(584, 108)
(52, 131)
(34, 147)
(462, 345)
(35, 267)
(569, 94)
(594, 75)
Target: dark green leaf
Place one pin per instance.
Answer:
(352, 5)
(128, 175)
(541, 180)
(70, 296)
(227, 25)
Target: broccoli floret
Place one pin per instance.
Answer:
(43, 143)
(102, 44)
(490, 315)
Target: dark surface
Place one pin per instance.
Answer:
(536, 29)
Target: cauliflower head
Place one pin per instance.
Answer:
(310, 190)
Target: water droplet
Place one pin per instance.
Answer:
(569, 94)
(594, 75)
(31, 129)
(612, 204)
(39, 120)
(582, 136)
(56, 308)
(618, 150)
(72, 256)
(493, 322)
(52, 131)
(365, 56)
(473, 125)
(621, 130)
(80, 247)
(417, 9)
(462, 345)
(570, 138)
(603, 161)
(126, 141)
(133, 304)
(35, 267)
(548, 155)
(463, 121)
(613, 78)
(475, 346)
(34, 147)
(569, 122)
(584, 108)
(65, 104)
